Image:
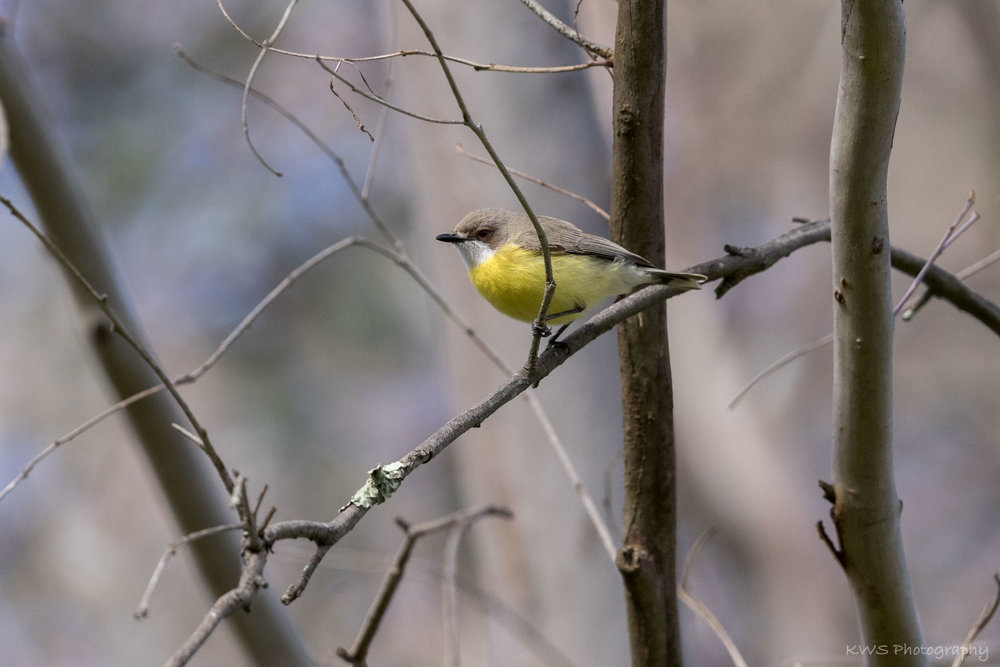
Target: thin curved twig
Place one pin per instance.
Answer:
(253, 72)
(699, 607)
(984, 618)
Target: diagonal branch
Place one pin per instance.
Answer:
(569, 32)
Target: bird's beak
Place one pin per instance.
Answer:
(450, 238)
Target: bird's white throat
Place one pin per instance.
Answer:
(474, 252)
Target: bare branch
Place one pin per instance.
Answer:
(371, 95)
(567, 463)
(824, 537)
(354, 114)
(358, 653)
(568, 32)
(488, 67)
(478, 66)
(93, 421)
(312, 136)
(984, 618)
(251, 581)
(778, 364)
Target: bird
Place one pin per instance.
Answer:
(504, 257)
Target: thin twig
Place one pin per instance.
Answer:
(528, 177)
(567, 463)
(354, 114)
(568, 32)
(257, 310)
(825, 539)
(984, 618)
(699, 607)
(964, 274)
(778, 364)
(371, 95)
(487, 67)
(142, 611)
(93, 421)
(951, 234)
(477, 66)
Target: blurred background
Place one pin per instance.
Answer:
(355, 365)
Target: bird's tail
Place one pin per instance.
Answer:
(679, 280)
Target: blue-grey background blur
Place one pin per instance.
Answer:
(355, 365)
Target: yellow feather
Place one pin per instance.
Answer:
(513, 280)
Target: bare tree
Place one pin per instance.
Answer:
(215, 499)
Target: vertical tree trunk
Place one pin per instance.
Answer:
(646, 560)
(866, 510)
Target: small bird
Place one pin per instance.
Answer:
(504, 258)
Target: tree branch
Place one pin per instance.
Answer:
(358, 653)
(569, 32)
(866, 510)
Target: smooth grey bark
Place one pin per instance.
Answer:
(866, 510)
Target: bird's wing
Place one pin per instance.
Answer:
(576, 242)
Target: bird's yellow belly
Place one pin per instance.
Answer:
(513, 281)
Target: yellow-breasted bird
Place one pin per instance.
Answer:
(504, 258)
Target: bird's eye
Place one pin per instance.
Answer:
(482, 234)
